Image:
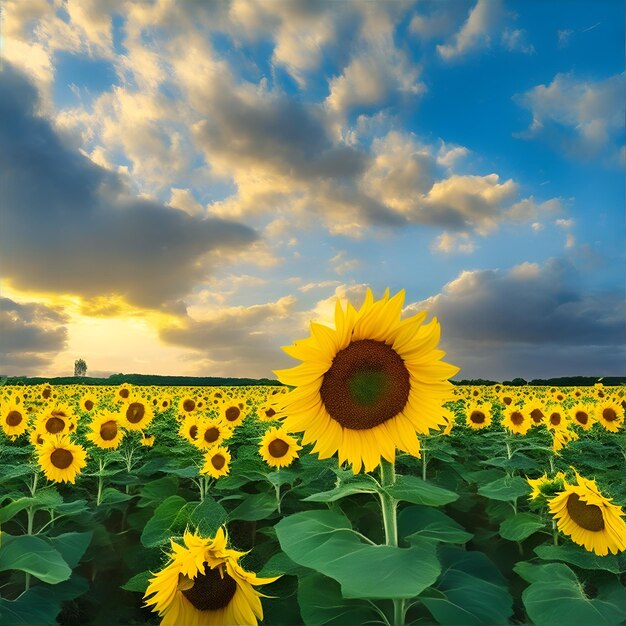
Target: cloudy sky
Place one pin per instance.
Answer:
(185, 185)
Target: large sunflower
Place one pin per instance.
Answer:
(277, 448)
(136, 413)
(211, 432)
(478, 415)
(57, 420)
(204, 584)
(14, 418)
(106, 431)
(60, 459)
(590, 519)
(516, 420)
(216, 462)
(610, 415)
(582, 415)
(369, 385)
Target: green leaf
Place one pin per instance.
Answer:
(254, 507)
(321, 603)
(561, 600)
(44, 499)
(34, 555)
(157, 490)
(362, 483)
(139, 582)
(470, 590)
(417, 491)
(325, 542)
(577, 555)
(423, 522)
(280, 564)
(520, 526)
(14, 471)
(208, 516)
(160, 526)
(110, 496)
(72, 546)
(506, 488)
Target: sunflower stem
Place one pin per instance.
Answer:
(551, 459)
(555, 534)
(30, 512)
(100, 482)
(424, 462)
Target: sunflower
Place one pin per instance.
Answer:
(536, 411)
(211, 432)
(60, 459)
(123, 392)
(216, 462)
(559, 395)
(475, 393)
(449, 418)
(516, 420)
(277, 448)
(56, 421)
(203, 584)
(556, 419)
(478, 415)
(88, 402)
(136, 413)
(147, 440)
(37, 437)
(582, 416)
(267, 411)
(589, 518)
(369, 385)
(506, 397)
(599, 391)
(561, 437)
(14, 418)
(189, 428)
(187, 405)
(610, 415)
(546, 486)
(106, 431)
(232, 412)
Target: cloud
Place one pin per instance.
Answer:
(582, 118)
(69, 225)
(457, 242)
(514, 40)
(529, 321)
(31, 335)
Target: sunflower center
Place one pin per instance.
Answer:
(61, 458)
(46, 393)
(517, 418)
(600, 394)
(555, 419)
(135, 412)
(232, 413)
(609, 415)
(367, 384)
(211, 434)
(270, 412)
(588, 516)
(218, 461)
(278, 448)
(211, 591)
(478, 417)
(536, 415)
(193, 431)
(124, 393)
(55, 425)
(88, 405)
(14, 418)
(507, 400)
(582, 417)
(108, 430)
(189, 405)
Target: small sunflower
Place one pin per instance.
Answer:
(545, 485)
(37, 437)
(559, 396)
(536, 411)
(57, 420)
(369, 385)
(277, 448)
(267, 411)
(610, 415)
(216, 462)
(88, 402)
(14, 418)
(556, 418)
(136, 413)
(516, 420)
(147, 440)
(106, 431)
(187, 404)
(211, 432)
(478, 415)
(189, 428)
(60, 459)
(232, 412)
(561, 437)
(123, 392)
(507, 397)
(581, 415)
(203, 584)
(589, 518)
(600, 392)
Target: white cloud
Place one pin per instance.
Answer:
(515, 40)
(448, 243)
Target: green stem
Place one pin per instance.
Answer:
(277, 492)
(509, 453)
(424, 462)
(30, 512)
(555, 534)
(551, 459)
(389, 510)
(100, 482)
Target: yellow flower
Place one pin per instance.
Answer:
(136, 413)
(216, 462)
(14, 418)
(545, 484)
(369, 385)
(536, 411)
(516, 420)
(189, 428)
(610, 415)
(211, 432)
(60, 459)
(278, 448)
(478, 415)
(57, 420)
(556, 419)
(582, 415)
(88, 402)
(106, 431)
(232, 412)
(147, 440)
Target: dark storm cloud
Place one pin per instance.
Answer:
(30, 336)
(531, 321)
(68, 226)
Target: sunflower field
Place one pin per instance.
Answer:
(364, 489)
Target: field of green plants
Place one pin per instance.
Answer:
(103, 488)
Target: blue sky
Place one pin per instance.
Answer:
(227, 170)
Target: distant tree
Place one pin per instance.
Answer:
(80, 367)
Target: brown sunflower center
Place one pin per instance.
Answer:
(278, 448)
(609, 415)
(555, 419)
(61, 458)
(55, 425)
(478, 417)
(108, 430)
(14, 418)
(232, 413)
(135, 412)
(536, 415)
(218, 461)
(124, 393)
(193, 431)
(270, 412)
(559, 397)
(367, 384)
(189, 405)
(517, 418)
(587, 516)
(600, 394)
(507, 400)
(46, 393)
(211, 591)
(211, 434)
(582, 417)
(88, 405)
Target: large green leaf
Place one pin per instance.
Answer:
(72, 546)
(557, 597)
(520, 526)
(255, 506)
(139, 582)
(577, 555)
(426, 522)
(33, 555)
(417, 491)
(321, 603)
(361, 483)
(325, 542)
(155, 491)
(506, 488)
(169, 515)
(44, 499)
(470, 590)
(208, 516)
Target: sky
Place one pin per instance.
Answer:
(184, 186)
